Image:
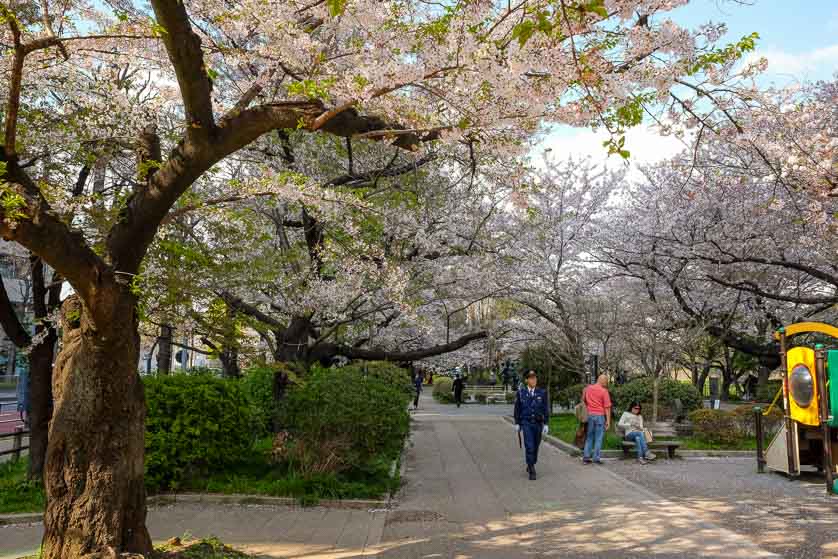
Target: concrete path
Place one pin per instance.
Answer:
(466, 496)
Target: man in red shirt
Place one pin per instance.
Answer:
(598, 402)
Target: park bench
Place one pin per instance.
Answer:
(670, 445)
(493, 393)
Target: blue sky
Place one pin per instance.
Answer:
(798, 37)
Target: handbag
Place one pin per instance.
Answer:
(647, 434)
(581, 411)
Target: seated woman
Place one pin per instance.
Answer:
(631, 424)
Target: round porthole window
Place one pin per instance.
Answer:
(802, 386)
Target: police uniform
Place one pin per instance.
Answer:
(532, 413)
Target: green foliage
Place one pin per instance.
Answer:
(481, 397)
(570, 396)
(258, 385)
(11, 202)
(17, 492)
(640, 390)
(746, 424)
(726, 55)
(510, 397)
(385, 373)
(555, 369)
(195, 424)
(716, 427)
(311, 89)
(767, 391)
(210, 548)
(443, 390)
(336, 7)
(340, 419)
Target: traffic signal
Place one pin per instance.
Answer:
(803, 386)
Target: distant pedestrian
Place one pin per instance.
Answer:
(458, 386)
(631, 424)
(532, 415)
(598, 402)
(417, 384)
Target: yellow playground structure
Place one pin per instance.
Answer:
(809, 434)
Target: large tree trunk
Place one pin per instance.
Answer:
(94, 469)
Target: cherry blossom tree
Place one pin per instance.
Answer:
(107, 88)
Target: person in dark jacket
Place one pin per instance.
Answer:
(532, 415)
(459, 385)
(417, 384)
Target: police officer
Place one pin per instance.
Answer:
(532, 414)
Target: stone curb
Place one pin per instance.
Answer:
(239, 499)
(24, 518)
(219, 499)
(573, 451)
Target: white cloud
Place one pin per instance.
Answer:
(815, 64)
(645, 144)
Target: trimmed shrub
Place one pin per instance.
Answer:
(510, 397)
(340, 420)
(744, 417)
(716, 426)
(443, 390)
(195, 424)
(641, 389)
(570, 396)
(481, 398)
(767, 391)
(257, 383)
(386, 373)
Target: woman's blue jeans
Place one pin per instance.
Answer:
(639, 442)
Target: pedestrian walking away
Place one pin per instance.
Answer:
(458, 386)
(417, 384)
(598, 402)
(532, 415)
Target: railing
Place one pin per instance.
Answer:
(17, 444)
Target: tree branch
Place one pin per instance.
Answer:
(184, 48)
(378, 354)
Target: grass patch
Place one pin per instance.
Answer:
(17, 493)
(253, 476)
(8, 385)
(257, 476)
(210, 548)
(564, 426)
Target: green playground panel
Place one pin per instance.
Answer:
(832, 375)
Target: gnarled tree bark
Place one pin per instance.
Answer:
(94, 468)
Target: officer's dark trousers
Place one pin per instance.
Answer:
(532, 438)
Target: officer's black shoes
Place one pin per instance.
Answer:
(532, 474)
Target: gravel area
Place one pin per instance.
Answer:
(794, 518)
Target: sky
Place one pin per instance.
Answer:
(799, 39)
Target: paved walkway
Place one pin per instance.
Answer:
(466, 497)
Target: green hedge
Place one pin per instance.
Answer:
(443, 390)
(570, 396)
(640, 390)
(195, 424)
(340, 419)
(716, 426)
